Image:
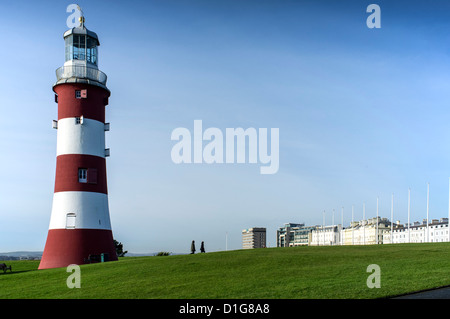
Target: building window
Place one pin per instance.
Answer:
(81, 94)
(86, 175)
(79, 120)
(70, 220)
(82, 175)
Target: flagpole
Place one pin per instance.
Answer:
(392, 219)
(332, 228)
(409, 209)
(428, 210)
(376, 228)
(226, 241)
(364, 227)
(448, 221)
(323, 230)
(332, 218)
(353, 226)
(342, 227)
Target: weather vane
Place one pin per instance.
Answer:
(81, 18)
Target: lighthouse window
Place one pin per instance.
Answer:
(70, 220)
(69, 48)
(81, 94)
(80, 47)
(79, 120)
(91, 51)
(82, 175)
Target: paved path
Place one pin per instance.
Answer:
(440, 293)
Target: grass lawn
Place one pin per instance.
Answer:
(287, 273)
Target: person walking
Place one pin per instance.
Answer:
(202, 247)
(193, 247)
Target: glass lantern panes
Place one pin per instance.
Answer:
(81, 47)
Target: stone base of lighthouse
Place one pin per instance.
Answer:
(74, 246)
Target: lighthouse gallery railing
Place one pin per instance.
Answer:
(82, 72)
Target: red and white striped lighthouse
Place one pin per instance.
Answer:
(80, 227)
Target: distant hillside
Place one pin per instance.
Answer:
(38, 254)
(22, 254)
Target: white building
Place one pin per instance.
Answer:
(366, 232)
(326, 236)
(437, 231)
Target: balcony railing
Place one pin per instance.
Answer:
(81, 72)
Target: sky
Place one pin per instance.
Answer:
(362, 114)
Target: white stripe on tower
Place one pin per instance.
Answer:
(87, 138)
(94, 216)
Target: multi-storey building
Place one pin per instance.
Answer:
(437, 231)
(326, 235)
(254, 238)
(294, 235)
(372, 231)
(366, 232)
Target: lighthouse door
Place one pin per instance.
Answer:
(70, 221)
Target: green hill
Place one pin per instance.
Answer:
(297, 272)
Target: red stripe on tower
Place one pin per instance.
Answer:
(80, 227)
(79, 172)
(70, 106)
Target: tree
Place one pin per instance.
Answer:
(163, 253)
(119, 249)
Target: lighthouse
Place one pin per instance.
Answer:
(80, 229)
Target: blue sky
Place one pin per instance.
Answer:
(362, 113)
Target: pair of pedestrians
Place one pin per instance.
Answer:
(202, 247)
